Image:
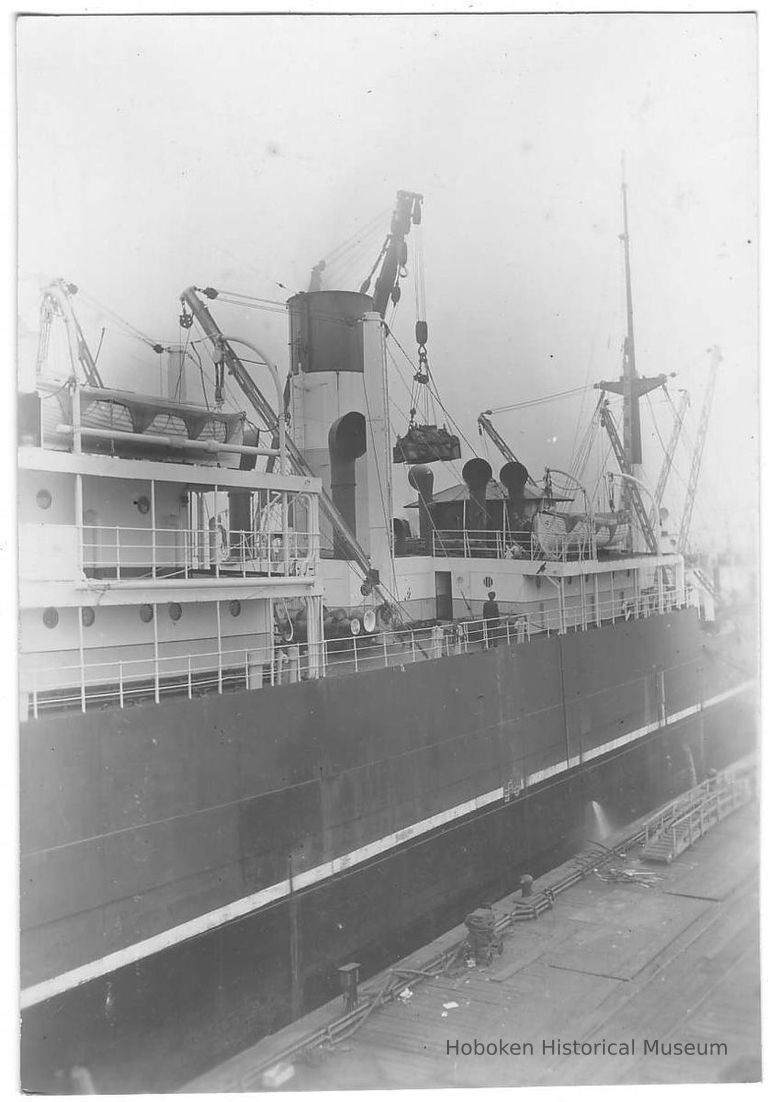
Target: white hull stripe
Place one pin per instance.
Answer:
(249, 904)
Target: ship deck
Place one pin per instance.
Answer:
(673, 960)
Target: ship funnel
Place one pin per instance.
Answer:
(476, 473)
(422, 480)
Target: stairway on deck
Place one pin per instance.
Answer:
(682, 823)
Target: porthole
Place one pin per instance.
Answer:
(50, 617)
(88, 615)
(142, 504)
(44, 499)
(174, 611)
(488, 581)
(146, 613)
(234, 608)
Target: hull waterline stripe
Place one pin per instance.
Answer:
(249, 904)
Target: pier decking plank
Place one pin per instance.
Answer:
(676, 961)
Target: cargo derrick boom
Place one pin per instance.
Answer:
(394, 252)
(633, 494)
(485, 425)
(698, 451)
(669, 453)
(56, 299)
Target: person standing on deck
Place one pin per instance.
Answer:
(491, 620)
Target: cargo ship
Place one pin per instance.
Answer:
(267, 729)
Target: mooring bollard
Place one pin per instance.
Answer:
(348, 973)
(526, 883)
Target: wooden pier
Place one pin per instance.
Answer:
(639, 956)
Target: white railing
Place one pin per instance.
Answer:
(273, 662)
(477, 543)
(396, 647)
(688, 817)
(184, 552)
(126, 680)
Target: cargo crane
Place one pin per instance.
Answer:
(424, 442)
(394, 254)
(669, 451)
(698, 451)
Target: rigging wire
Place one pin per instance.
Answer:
(450, 463)
(131, 329)
(355, 257)
(365, 230)
(590, 356)
(184, 350)
(542, 400)
(579, 463)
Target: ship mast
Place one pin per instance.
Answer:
(633, 447)
(629, 452)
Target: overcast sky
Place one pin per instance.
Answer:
(238, 151)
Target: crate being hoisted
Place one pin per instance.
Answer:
(426, 444)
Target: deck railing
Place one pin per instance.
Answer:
(683, 821)
(480, 543)
(121, 552)
(269, 661)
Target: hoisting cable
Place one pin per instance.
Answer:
(448, 417)
(421, 376)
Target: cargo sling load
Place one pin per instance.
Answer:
(265, 729)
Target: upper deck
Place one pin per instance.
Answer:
(131, 491)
